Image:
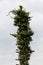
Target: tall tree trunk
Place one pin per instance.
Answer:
(24, 35)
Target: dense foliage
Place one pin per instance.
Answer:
(24, 35)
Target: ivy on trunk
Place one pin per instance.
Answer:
(24, 35)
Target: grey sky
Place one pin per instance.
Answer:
(8, 43)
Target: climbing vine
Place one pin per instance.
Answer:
(24, 35)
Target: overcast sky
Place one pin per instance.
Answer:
(8, 43)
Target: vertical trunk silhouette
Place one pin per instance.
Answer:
(24, 35)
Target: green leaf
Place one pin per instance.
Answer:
(15, 35)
